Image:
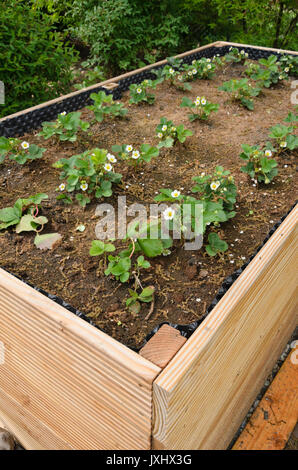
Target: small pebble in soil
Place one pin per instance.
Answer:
(198, 300)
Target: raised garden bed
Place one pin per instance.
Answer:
(59, 369)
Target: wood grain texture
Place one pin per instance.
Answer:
(65, 384)
(163, 346)
(202, 396)
(275, 417)
(238, 44)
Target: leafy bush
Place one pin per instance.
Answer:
(34, 61)
(123, 34)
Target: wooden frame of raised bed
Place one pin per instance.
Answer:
(66, 385)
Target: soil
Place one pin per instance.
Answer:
(186, 281)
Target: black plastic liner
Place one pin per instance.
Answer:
(13, 127)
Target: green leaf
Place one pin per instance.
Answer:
(186, 102)
(216, 245)
(29, 223)
(151, 247)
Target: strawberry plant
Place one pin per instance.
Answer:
(212, 212)
(236, 56)
(24, 216)
(20, 152)
(104, 105)
(65, 127)
(168, 134)
(259, 164)
(13, 215)
(175, 77)
(139, 92)
(201, 107)
(215, 244)
(200, 69)
(283, 134)
(89, 174)
(218, 187)
(134, 299)
(289, 64)
(136, 156)
(241, 90)
(270, 72)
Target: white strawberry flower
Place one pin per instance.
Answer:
(108, 167)
(164, 128)
(283, 144)
(209, 66)
(111, 158)
(63, 113)
(180, 78)
(135, 154)
(62, 187)
(203, 101)
(189, 73)
(286, 69)
(139, 90)
(193, 62)
(203, 173)
(128, 148)
(160, 135)
(25, 145)
(280, 77)
(208, 60)
(214, 185)
(268, 153)
(198, 101)
(242, 52)
(171, 71)
(194, 71)
(173, 129)
(84, 186)
(175, 193)
(169, 213)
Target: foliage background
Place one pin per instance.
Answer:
(119, 35)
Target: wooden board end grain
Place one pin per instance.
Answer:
(163, 346)
(272, 422)
(203, 395)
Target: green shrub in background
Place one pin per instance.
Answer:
(125, 34)
(35, 63)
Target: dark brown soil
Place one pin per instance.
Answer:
(186, 281)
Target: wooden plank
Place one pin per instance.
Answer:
(272, 422)
(163, 346)
(66, 384)
(202, 396)
(238, 44)
(106, 82)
